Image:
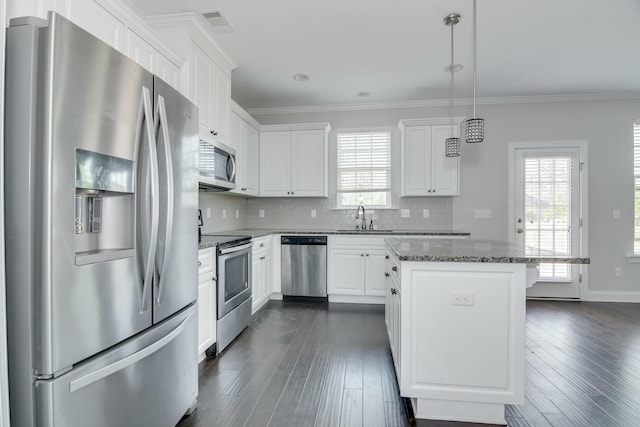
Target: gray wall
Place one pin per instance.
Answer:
(605, 125)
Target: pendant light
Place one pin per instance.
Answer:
(452, 144)
(474, 128)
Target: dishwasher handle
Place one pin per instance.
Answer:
(304, 240)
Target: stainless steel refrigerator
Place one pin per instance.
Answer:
(101, 201)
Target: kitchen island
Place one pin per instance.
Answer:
(455, 314)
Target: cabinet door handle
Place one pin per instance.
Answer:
(214, 133)
(393, 291)
(394, 268)
(362, 255)
(262, 245)
(367, 254)
(199, 264)
(262, 257)
(386, 256)
(386, 274)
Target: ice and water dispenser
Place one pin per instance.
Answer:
(104, 208)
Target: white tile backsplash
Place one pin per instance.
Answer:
(297, 213)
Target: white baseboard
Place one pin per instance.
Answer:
(611, 296)
(276, 296)
(356, 299)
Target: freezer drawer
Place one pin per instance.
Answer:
(150, 380)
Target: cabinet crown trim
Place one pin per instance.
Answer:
(430, 121)
(197, 23)
(297, 126)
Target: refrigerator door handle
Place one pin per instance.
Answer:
(152, 211)
(161, 122)
(123, 363)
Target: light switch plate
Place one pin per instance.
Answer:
(208, 212)
(261, 213)
(405, 213)
(224, 214)
(482, 213)
(237, 213)
(616, 214)
(425, 213)
(313, 213)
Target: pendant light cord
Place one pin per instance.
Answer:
(452, 81)
(475, 58)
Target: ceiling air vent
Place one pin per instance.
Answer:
(218, 21)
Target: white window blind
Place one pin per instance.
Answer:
(547, 204)
(364, 168)
(636, 174)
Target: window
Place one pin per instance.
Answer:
(636, 174)
(364, 169)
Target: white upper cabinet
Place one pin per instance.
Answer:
(113, 22)
(293, 160)
(206, 78)
(243, 136)
(426, 171)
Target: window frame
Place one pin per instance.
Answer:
(366, 130)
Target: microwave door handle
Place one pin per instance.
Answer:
(235, 249)
(161, 122)
(150, 211)
(231, 162)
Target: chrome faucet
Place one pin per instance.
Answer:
(364, 222)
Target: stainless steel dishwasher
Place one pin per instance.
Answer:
(304, 266)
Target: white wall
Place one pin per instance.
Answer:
(605, 125)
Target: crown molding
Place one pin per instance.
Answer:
(237, 109)
(195, 22)
(425, 103)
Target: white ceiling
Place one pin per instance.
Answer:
(397, 49)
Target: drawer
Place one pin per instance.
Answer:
(358, 242)
(262, 243)
(206, 261)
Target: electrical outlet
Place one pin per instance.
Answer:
(425, 213)
(616, 214)
(405, 213)
(237, 213)
(224, 214)
(617, 272)
(261, 213)
(208, 212)
(462, 298)
(313, 213)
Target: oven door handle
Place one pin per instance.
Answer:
(235, 248)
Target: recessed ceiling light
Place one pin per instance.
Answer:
(456, 68)
(300, 77)
(364, 94)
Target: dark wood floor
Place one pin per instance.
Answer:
(306, 364)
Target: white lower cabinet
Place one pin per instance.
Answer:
(392, 308)
(206, 300)
(356, 269)
(261, 272)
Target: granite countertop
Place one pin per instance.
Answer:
(212, 241)
(471, 250)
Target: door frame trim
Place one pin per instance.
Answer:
(582, 147)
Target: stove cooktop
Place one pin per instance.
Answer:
(226, 240)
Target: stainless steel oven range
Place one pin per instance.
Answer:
(233, 288)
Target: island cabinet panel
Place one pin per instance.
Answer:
(461, 338)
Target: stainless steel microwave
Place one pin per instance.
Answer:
(217, 167)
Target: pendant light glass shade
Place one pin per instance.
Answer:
(452, 144)
(452, 147)
(474, 128)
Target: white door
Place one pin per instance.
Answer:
(547, 214)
